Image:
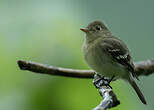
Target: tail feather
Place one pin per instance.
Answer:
(137, 90)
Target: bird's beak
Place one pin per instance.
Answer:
(84, 30)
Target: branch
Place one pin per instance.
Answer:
(109, 99)
(142, 68)
(52, 70)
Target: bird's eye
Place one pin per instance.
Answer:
(98, 28)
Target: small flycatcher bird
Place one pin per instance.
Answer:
(108, 56)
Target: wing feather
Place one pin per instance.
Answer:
(120, 53)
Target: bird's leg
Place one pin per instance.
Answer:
(109, 81)
(97, 81)
(100, 81)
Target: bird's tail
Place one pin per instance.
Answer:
(137, 90)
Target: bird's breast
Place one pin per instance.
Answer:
(101, 62)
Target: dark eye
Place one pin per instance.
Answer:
(98, 28)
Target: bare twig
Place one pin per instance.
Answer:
(142, 68)
(52, 70)
(109, 99)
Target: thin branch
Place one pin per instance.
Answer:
(52, 70)
(142, 68)
(109, 99)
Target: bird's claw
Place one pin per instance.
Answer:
(100, 81)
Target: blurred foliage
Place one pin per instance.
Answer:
(47, 31)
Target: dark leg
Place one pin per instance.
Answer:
(111, 79)
(97, 81)
(100, 81)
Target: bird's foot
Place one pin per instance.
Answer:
(100, 81)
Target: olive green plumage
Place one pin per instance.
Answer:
(108, 55)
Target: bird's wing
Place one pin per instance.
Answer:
(119, 52)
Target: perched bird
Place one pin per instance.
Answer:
(108, 56)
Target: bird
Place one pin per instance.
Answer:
(109, 56)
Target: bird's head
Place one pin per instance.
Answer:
(95, 29)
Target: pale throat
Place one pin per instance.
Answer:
(92, 37)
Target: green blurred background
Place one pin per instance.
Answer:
(47, 31)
